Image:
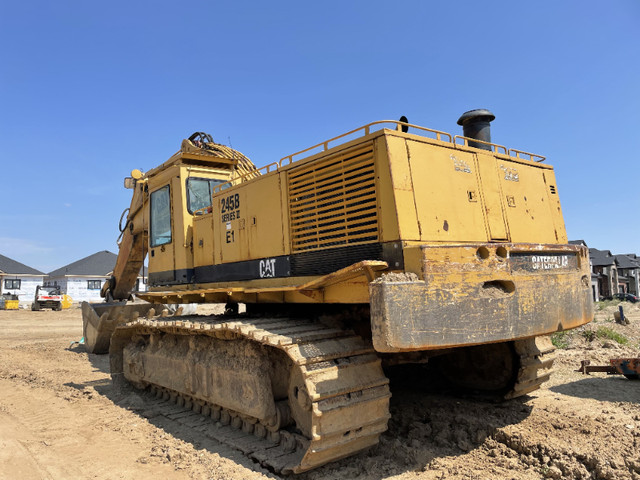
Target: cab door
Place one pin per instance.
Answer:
(161, 238)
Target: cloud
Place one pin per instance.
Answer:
(21, 247)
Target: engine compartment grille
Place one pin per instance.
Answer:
(333, 202)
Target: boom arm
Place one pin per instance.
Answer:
(132, 248)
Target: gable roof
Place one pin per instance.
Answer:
(578, 242)
(600, 258)
(11, 267)
(98, 264)
(624, 261)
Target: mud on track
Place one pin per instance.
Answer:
(61, 418)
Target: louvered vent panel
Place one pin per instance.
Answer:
(333, 202)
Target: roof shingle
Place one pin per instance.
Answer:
(99, 264)
(601, 257)
(11, 267)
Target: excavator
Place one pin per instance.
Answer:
(390, 244)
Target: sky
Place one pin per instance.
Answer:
(91, 90)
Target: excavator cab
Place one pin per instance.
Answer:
(176, 195)
(159, 223)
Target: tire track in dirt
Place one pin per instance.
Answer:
(575, 427)
(562, 443)
(67, 449)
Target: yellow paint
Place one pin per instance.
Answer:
(443, 202)
(254, 229)
(533, 215)
(396, 185)
(442, 179)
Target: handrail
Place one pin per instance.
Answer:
(466, 141)
(203, 211)
(240, 179)
(531, 155)
(367, 130)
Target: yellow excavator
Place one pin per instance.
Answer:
(390, 244)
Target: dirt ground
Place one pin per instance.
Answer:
(60, 418)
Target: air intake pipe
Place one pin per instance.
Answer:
(476, 124)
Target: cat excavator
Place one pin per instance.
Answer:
(389, 244)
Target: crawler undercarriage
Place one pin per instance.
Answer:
(299, 393)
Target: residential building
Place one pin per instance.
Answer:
(603, 264)
(83, 279)
(19, 279)
(628, 273)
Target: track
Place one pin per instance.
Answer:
(535, 361)
(341, 402)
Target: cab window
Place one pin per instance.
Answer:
(160, 217)
(199, 191)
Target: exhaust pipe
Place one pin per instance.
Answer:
(476, 125)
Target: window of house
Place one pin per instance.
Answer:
(94, 284)
(199, 192)
(12, 284)
(160, 217)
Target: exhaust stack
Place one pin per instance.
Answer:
(476, 124)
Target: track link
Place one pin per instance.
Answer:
(344, 390)
(536, 357)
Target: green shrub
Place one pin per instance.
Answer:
(611, 334)
(561, 340)
(607, 303)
